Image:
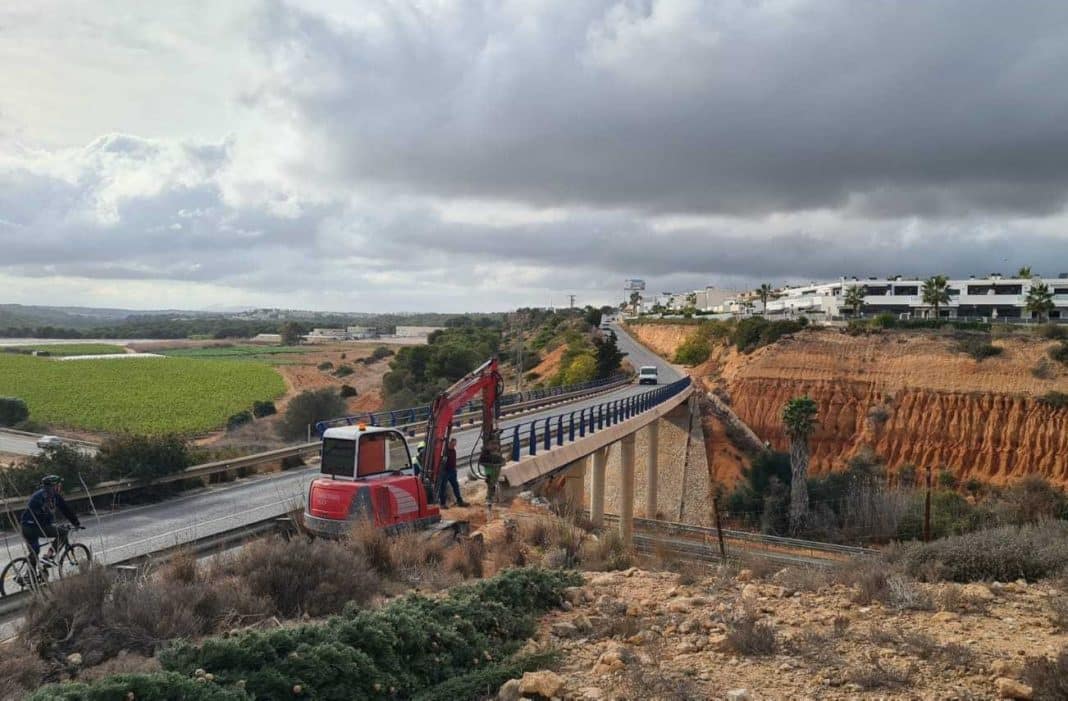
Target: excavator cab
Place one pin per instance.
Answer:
(366, 474)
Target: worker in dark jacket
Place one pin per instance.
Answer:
(448, 474)
(39, 519)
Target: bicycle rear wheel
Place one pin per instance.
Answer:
(17, 577)
(75, 557)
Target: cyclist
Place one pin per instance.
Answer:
(39, 519)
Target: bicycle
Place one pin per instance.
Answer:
(66, 558)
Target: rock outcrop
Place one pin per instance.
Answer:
(907, 395)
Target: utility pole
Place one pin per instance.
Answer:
(927, 509)
(572, 298)
(719, 528)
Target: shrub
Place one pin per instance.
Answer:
(694, 350)
(325, 365)
(381, 352)
(748, 635)
(1044, 370)
(484, 683)
(1052, 331)
(300, 576)
(307, 408)
(143, 457)
(13, 411)
(290, 462)
(885, 320)
(1048, 678)
(1055, 399)
(343, 371)
(410, 645)
(262, 409)
(347, 391)
(71, 464)
(978, 348)
(1005, 554)
(1030, 500)
(1060, 353)
(238, 420)
(146, 687)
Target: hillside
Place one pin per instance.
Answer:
(942, 408)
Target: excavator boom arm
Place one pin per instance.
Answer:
(485, 380)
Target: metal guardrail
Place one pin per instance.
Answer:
(575, 425)
(420, 414)
(814, 546)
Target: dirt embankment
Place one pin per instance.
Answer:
(909, 395)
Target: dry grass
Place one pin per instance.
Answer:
(879, 675)
(1058, 613)
(299, 576)
(1048, 678)
(748, 635)
(21, 670)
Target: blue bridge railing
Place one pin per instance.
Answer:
(544, 433)
(420, 414)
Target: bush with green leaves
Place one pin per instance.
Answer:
(73, 465)
(979, 348)
(262, 409)
(143, 457)
(409, 645)
(343, 371)
(238, 420)
(347, 391)
(325, 365)
(694, 350)
(13, 411)
(307, 408)
(381, 352)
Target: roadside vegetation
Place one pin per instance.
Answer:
(153, 634)
(143, 458)
(746, 335)
(143, 395)
(418, 373)
(865, 504)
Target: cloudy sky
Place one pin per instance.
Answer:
(460, 155)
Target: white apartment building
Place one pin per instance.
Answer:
(992, 297)
(708, 299)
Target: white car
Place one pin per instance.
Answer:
(647, 374)
(49, 442)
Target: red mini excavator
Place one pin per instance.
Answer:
(367, 471)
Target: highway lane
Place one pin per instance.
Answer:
(18, 445)
(136, 530)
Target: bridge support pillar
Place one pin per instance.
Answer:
(575, 485)
(651, 469)
(626, 491)
(600, 461)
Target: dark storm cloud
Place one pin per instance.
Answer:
(928, 109)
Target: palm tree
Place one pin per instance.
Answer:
(935, 292)
(764, 291)
(854, 298)
(1040, 300)
(799, 421)
(1024, 272)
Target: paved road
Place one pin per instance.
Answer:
(137, 530)
(18, 445)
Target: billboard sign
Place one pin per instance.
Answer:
(632, 285)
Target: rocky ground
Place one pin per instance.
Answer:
(659, 635)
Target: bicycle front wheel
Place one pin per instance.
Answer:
(74, 559)
(17, 577)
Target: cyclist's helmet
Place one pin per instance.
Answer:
(51, 480)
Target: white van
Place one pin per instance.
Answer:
(647, 375)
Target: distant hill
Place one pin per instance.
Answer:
(74, 322)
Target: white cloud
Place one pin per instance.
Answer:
(454, 155)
